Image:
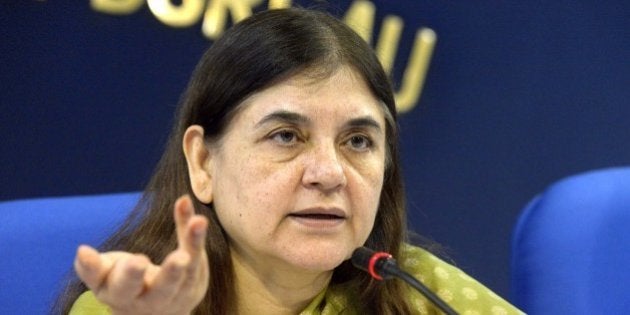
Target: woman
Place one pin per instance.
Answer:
(283, 160)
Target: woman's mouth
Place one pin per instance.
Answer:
(319, 219)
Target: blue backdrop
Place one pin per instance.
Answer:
(518, 94)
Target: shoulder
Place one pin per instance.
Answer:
(87, 304)
(455, 287)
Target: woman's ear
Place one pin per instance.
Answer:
(198, 158)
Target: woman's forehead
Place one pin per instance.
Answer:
(343, 89)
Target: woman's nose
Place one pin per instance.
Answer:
(324, 169)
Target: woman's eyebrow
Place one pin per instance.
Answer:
(299, 119)
(284, 116)
(365, 122)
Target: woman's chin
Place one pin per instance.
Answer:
(319, 261)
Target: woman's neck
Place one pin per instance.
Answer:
(265, 289)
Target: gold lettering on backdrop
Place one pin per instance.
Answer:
(387, 45)
(185, 14)
(416, 70)
(279, 4)
(215, 18)
(117, 7)
(360, 17)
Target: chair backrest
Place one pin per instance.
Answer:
(38, 241)
(571, 247)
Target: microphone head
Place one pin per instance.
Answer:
(377, 264)
(361, 258)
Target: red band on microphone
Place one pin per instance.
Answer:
(376, 257)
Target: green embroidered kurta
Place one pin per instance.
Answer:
(460, 291)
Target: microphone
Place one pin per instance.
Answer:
(382, 266)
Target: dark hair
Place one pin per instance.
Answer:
(252, 55)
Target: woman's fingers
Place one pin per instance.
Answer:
(195, 239)
(112, 276)
(191, 228)
(183, 271)
(183, 212)
(192, 238)
(126, 279)
(196, 247)
(191, 234)
(167, 282)
(90, 267)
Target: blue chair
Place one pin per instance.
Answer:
(571, 247)
(38, 241)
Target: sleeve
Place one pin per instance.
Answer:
(463, 293)
(87, 304)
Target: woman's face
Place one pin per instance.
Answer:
(297, 177)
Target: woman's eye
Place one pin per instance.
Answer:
(285, 137)
(360, 143)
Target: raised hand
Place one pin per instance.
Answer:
(131, 284)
